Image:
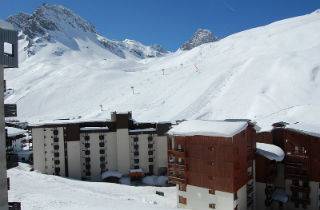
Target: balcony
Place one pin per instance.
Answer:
(177, 166)
(14, 205)
(177, 153)
(305, 189)
(176, 179)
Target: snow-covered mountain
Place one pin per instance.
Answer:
(56, 24)
(201, 36)
(267, 74)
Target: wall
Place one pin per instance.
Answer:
(38, 150)
(123, 157)
(161, 151)
(198, 198)
(3, 167)
(111, 149)
(74, 165)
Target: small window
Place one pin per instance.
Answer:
(87, 145)
(87, 152)
(136, 147)
(102, 159)
(102, 151)
(150, 159)
(8, 49)
(150, 152)
(212, 191)
(136, 153)
(182, 187)
(136, 161)
(135, 139)
(150, 138)
(56, 139)
(101, 137)
(55, 132)
(212, 206)
(150, 146)
(182, 200)
(87, 138)
(56, 147)
(56, 154)
(101, 144)
(57, 162)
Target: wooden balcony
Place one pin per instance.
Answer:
(177, 179)
(177, 153)
(177, 166)
(305, 189)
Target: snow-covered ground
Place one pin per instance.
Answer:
(267, 74)
(45, 192)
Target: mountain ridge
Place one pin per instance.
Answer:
(266, 74)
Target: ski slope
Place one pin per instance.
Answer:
(267, 74)
(45, 192)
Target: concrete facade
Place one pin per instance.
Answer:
(92, 150)
(3, 166)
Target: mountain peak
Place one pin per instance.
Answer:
(47, 18)
(201, 36)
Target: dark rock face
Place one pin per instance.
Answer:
(201, 36)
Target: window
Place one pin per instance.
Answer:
(150, 152)
(212, 206)
(182, 200)
(182, 187)
(56, 147)
(150, 138)
(212, 191)
(101, 144)
(102, 159)
(102, 151)
(235, 195)
(150, 146)
(55, 132)
(87, 159)
(57, 162)
(136, 147)
(56, 154)
(135, 139)
(150, 159)
(101, 137)
(136, 161)
(87, 138)
(87, 152)
(136, 153)
(87, 145)
(55, 139)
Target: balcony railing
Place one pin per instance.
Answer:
(305, 189)
(177, 166)
(177, 179)
(177, 153)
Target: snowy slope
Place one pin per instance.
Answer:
(268, 74)
(38, 191)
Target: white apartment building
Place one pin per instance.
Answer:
(8, 59)
(86, 149)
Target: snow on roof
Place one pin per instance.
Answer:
(15, 131)
(139, 170)
(94, 128)
(107, 174)
(143, 130)
(63, 122)
(270, 151)
(5, 25)
(310, 129)
(208, 128)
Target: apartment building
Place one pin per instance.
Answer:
(87, 149)
(8, 59)
(294, 182)
(212, 164)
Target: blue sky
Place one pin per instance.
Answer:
(171, 22)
